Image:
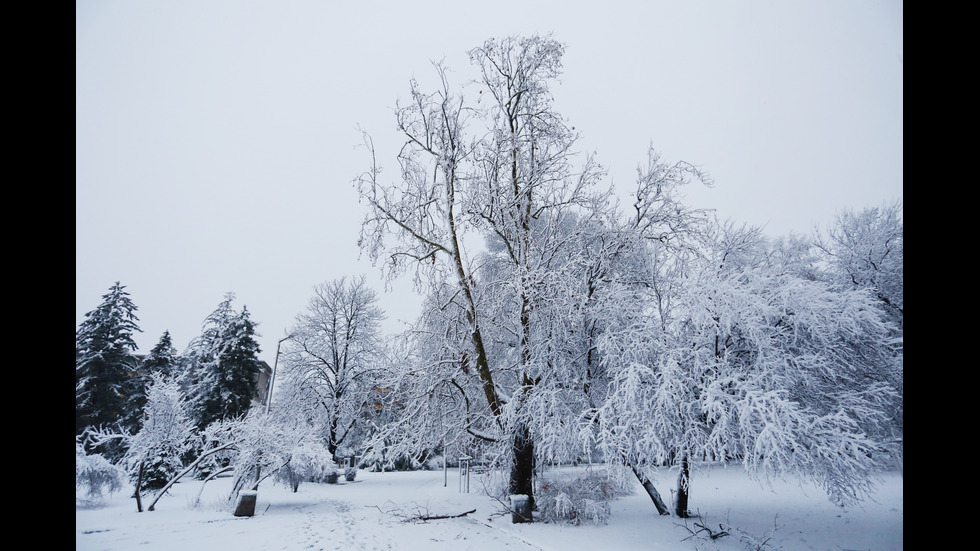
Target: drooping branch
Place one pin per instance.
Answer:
(190, 468)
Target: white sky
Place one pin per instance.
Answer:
(215, 141)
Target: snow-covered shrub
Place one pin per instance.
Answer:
(435, 463)
(269, 443)
(289, 476)
(96, 475)
(380, 461)
(350, 473)
(328, 476)
(307, 462)
(577, 500)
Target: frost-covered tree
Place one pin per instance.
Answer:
(154, 455)
(431, 398)
(496, 167)
(220, 437)
(162, 359)
(510, 332)
(156, 452)
(105, 366)
(785, 374)
(865, 250)
(255, 447)
(331, 362)
(596, 274)
(224, 363)
(308, 460)
(264, 445)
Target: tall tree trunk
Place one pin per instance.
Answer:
(658, 501)
(476, 334)
(683, 488)
(522, 470)
(332, 440)
(139, 486)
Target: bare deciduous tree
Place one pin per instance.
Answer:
(331, 363)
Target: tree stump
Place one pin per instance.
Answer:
(520, 506)
(246, 504)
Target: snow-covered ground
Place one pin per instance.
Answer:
(374, 513)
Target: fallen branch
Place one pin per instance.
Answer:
(420, 514)
(752, 542)
(702, 531)
(438, 517)
(702, 527)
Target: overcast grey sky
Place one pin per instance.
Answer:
(215, 141)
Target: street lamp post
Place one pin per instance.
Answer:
(275, 365)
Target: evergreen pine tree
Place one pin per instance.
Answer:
(163, 358)
(224, 365)
(105, 364)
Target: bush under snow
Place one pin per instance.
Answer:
(576, 500)
(96, 475)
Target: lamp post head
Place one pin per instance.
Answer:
(275, 365)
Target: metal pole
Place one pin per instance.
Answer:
(272, 380)
(464, 474)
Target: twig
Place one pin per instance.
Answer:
(506, 507)
(702, 528)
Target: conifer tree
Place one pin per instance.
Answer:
(163, 358)
(224, 365)
(105, 364)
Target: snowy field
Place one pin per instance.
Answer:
(376, 511)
